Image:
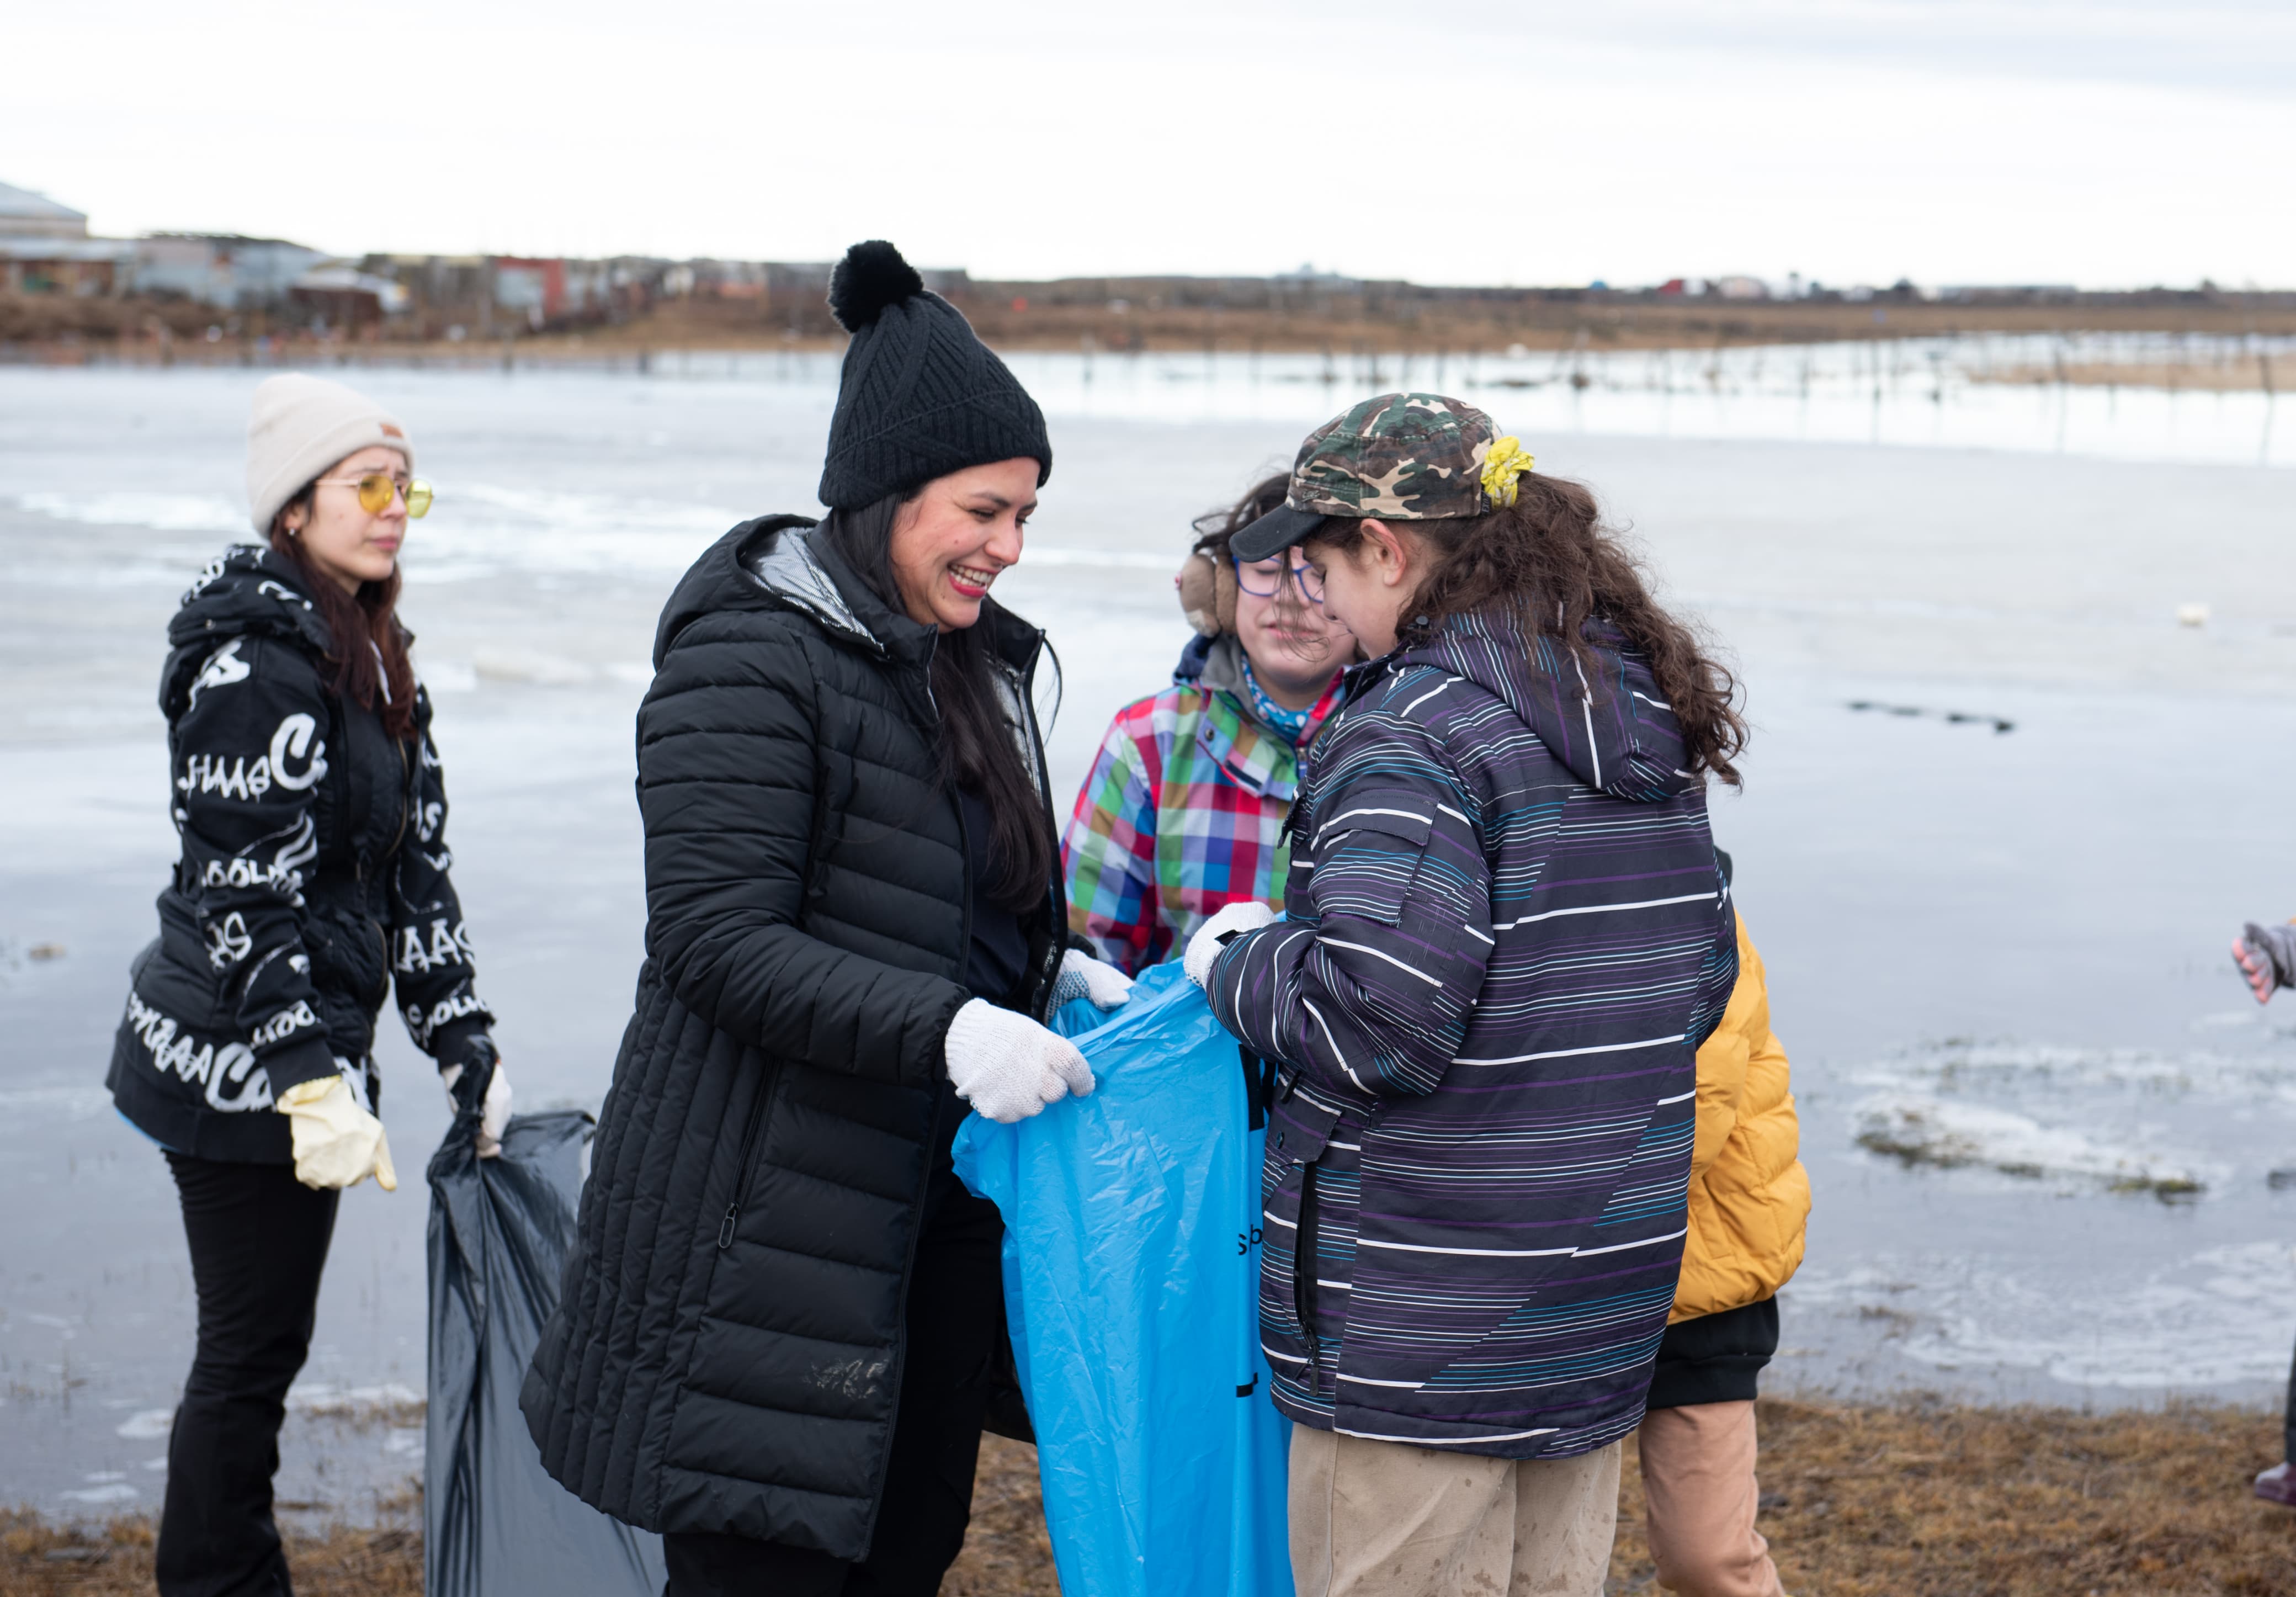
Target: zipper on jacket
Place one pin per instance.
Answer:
(1304, 1265)
(410, 794)
(742, 1162)
(1058, 892)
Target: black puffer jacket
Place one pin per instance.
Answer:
(314, 871)
(726, 1352)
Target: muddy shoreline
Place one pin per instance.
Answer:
(1914, 1498)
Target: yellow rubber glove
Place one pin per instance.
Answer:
(337, 1143)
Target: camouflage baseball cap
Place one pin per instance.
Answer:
(1399, 457)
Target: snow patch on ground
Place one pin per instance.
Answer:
(1956, 1066)
(66, 1103)
(1926, 1128)
(162, 512)
(114, 1492)
(147, 1425)
(350, 1403)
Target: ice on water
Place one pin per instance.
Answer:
(2000, 957)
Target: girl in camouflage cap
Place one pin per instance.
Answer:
(1505, 936)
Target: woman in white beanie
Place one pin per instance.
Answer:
(313, 875)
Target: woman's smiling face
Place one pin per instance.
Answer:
(951, 542)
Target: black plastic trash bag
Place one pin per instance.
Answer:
(493, 1524)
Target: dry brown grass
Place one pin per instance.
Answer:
(1906, 1499)
(2248, 374)
(1007, 1553)
(1926, 1500)
(39, 1559)
(49, 327)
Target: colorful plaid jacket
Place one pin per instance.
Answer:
(1507, 936)
(1182, 813)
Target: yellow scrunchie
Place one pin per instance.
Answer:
(1506, 461)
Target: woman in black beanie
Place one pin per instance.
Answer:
(780, 1330)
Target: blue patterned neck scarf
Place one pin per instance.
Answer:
(1286, 724)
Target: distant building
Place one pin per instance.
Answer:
(44, 248)
(223, 269)
(1307, 278)
(346, 297)
(24, 214)
(542, 290)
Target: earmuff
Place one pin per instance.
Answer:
(1207, 594)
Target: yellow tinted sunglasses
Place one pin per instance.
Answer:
(376, 489)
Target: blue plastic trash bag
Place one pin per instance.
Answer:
(493, 1524)
(1131, 1276)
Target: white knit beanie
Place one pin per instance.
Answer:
(299, 427)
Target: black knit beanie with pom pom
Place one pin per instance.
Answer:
(921, 395)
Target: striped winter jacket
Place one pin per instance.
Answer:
(1506, 936)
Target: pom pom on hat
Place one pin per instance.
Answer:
(872, 277)
(920, 396)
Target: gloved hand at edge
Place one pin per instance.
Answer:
(492, 1097)
(1213, 935)
(1007, 1066)
(337, 1144)
(1095, 981)
(2267, 957)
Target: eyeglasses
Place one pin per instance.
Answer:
(1264, 578)
(376, 490)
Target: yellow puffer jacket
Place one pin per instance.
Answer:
(1749, 1194)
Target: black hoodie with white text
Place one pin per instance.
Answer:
(313, 875)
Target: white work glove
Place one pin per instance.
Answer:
(337, 1143)
(1095, 981)
(494, 1111)
(1007, 1066)
(1210, 938)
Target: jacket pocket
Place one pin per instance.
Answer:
(745, 1155)
(1297, 1129)
(1368, 854)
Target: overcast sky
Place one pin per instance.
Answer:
(1627, 140)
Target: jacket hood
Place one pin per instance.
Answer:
(719, 580)
(1214, 664)
(1603, 718)
(246, 591)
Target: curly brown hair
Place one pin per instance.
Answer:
(1549, 559)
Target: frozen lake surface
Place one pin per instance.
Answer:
(2039, 1110)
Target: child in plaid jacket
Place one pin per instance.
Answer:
(1184, 811)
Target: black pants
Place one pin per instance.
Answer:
(2288, 1422)
(258, 1242)
(955, 1288)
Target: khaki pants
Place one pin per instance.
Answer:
(1697, 1483)
(1387, 1520)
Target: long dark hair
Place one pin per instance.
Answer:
(1549, 561)
(980, 744)
(369, 659)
